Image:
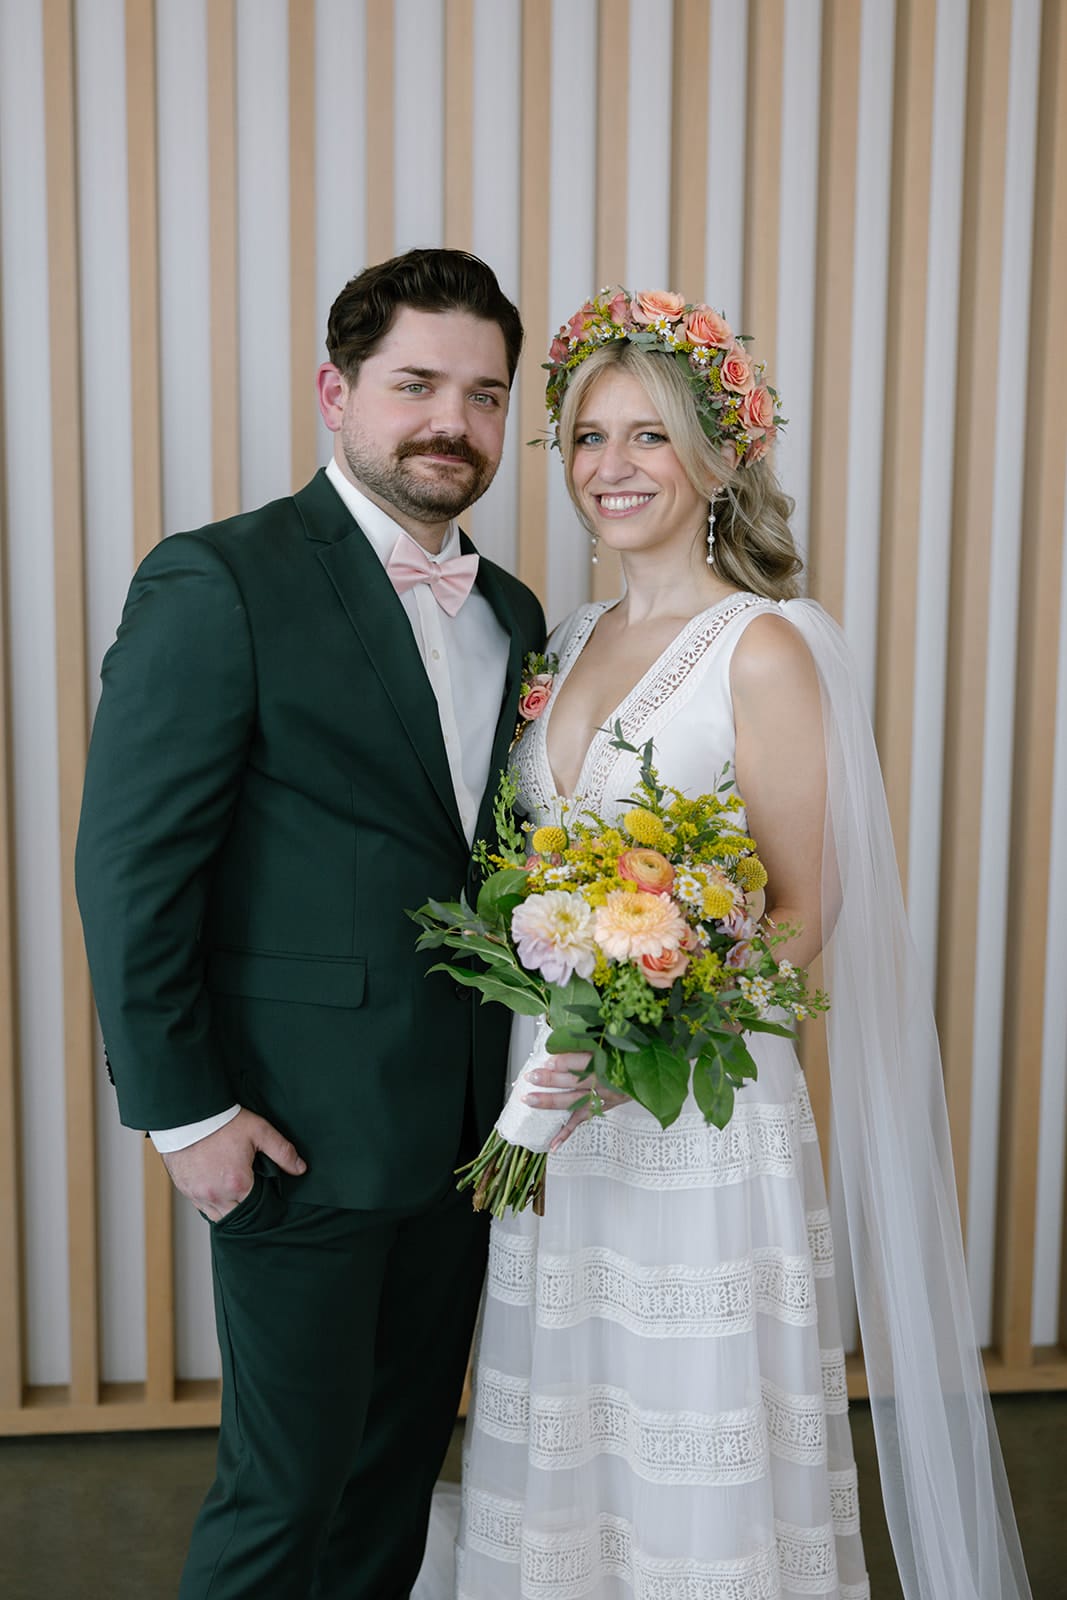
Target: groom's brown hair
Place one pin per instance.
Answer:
(426, 280)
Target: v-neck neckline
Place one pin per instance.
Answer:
(584, 633)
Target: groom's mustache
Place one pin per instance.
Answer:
(442, 447)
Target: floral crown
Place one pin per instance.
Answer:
(738, 411)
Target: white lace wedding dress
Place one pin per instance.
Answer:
(660, 1406)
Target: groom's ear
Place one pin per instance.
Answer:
(333, 388)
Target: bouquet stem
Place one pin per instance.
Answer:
(504, 1175)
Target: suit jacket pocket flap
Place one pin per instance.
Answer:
(308, 980)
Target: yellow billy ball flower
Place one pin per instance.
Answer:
(549, 841)
(643, 826)
(751, 873)
(718, 902)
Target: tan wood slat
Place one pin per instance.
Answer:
(689, 146)
(612, 211)
(834, 266)
(763, 160)
(158, 1201)
(147, 431)
(909, 227)
(1041, 579)
(459, 124)
(380, 138)
(222, 204)
(972, 529)
(533, 288)
(303, 340)
(11, 1273)
(835, 252)
(72, 682)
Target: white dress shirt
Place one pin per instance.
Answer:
(465, 657)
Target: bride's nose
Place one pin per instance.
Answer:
(615, 464)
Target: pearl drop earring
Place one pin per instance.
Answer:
(594, 540)
(711, 525)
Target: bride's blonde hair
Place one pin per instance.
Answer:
(754, 547)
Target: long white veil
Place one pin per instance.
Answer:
(946, 1495)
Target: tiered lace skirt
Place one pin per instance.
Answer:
(660, 1408)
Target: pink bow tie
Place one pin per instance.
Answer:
(450, 581)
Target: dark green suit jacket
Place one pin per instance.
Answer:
(267, 792)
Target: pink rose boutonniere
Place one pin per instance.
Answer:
(538, 678)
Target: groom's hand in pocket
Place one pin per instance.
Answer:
(557, 1085)
(216, 1173)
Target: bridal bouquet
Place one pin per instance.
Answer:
(643, 944)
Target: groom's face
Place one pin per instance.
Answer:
(421, 429)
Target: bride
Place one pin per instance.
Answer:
(660, 1407)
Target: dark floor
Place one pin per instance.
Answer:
(105, 1517)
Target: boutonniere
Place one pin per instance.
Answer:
(535, 690)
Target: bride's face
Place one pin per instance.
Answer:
(629, 484)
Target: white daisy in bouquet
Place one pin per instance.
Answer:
(643, 944)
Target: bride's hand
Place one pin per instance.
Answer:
(560, 1084)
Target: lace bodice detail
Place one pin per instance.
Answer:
(662, 704)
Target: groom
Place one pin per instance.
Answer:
(301, 726)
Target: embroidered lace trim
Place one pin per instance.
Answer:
(759, 1141)
(662, 1446)
(568, 1564)
(660, 1302)
(845, 1501)
(821, 1243)
(834, 1381)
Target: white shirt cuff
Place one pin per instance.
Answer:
(167, 1140)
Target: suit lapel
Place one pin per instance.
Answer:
(376, 614)
(489, 585)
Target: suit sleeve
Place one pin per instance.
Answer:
(166, 763)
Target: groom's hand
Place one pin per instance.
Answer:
(559, 1083)
(216, 1173)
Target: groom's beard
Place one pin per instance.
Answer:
(416, 494)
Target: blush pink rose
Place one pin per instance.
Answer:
(736, 371)
(651, 304)
(619, 308)
(757, 410)
(536, 697)
(581, 320)
(557, 349)
(707, 327)
(759, 447)
(661, 971)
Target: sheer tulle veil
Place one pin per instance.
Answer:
(946, 1495)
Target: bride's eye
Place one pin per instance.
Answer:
(649, 436)
(589, 437)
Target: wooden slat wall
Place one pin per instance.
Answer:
(87, 1395)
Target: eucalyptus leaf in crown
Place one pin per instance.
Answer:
(738, 410)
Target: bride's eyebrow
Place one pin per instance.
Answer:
(591, 422)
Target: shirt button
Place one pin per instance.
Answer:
(436, 654)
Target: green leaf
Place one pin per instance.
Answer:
(516, 996)
(713, 1093)
(500, 894)
(660, 1080)
(564, 1041)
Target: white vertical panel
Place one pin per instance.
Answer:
(106, 355)
(495, 229)
(571, 264)
(727, 109)
(31, 621)
(940, 338)
(185, 356)
(646, 174)
(340, 161)
(419, 123)
(994, 861)
(798, 210)
(184, 261)
(263, 247)
(1052, 1113)
(866, 379)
